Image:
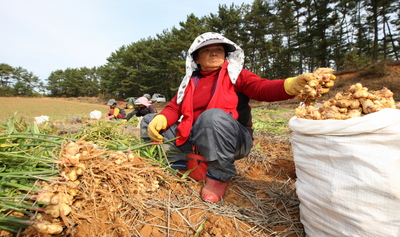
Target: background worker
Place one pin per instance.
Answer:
(211, 112)
(147, 96)
(115, 111)
(142, 107)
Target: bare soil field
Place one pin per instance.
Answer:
(57, 109)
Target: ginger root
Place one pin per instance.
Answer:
(357, 102)
(319, 83)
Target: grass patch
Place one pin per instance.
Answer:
(271, 120)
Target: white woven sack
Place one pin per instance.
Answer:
(95, 114)
(41, 119)
(348, 174)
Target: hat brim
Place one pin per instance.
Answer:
(111, 102)
(227, 47)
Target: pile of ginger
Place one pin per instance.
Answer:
(357, 102)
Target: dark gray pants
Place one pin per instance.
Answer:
(219, 138)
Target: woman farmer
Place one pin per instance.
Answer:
(211, 112)
(143, 107)
(115, 111)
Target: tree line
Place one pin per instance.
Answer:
(279, 38)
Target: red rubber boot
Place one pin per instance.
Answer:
(213, 190)
(198, 165)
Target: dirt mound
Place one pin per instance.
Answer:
(119, 193)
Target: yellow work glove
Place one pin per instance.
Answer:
(158, 123)
(294, 85)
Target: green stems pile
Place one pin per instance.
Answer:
(25, 158)
(30, 156)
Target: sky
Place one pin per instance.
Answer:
(43, 36)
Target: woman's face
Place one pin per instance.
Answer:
(211, 57)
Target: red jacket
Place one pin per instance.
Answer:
(248, 86)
